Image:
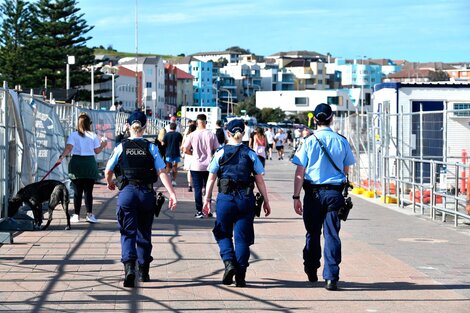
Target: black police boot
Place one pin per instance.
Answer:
(230, 270)
(311, 274)
(129, 274)
(331, 285)
(144, 273)
(240, 279)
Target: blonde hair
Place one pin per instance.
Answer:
(135, 129)
(84, 124)
(161, 134)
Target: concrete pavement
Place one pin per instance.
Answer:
(392, 262)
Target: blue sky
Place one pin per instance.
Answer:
(415, 30)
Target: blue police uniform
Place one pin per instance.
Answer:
(235, 206)
(323, 197)
(139, 163)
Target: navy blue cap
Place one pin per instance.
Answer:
(137, 116)
(323, 112)
(236, 125)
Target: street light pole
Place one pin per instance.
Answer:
(70, 60)
(230, 100)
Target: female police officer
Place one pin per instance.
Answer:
(138, 165)
(234, 164)
(323, 184)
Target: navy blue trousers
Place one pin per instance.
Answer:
(199, 182)
(135, 217)
(317, 216)
(235, 216)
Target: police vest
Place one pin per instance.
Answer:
(236, 165)
(136, 163)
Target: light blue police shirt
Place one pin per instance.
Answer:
(214, 165)
(318, 169)
(113, 160)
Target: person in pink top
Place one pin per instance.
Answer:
(201, 144)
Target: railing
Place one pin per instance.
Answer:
(439, 193)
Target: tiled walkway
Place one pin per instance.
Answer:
(392, 262)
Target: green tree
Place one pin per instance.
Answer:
(249, 105)
(271, 115)
(60, 30)
(15, 41)
(238, 49)
(438, 76)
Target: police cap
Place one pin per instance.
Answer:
(323, 112)
(139, 117)
(236, 125)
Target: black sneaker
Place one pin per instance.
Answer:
(209, 215)
(199, 215)
(190, 189)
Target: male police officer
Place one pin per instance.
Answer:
(138, 165)
(323, 184)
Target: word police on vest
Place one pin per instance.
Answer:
(135, 152)
(137, 117)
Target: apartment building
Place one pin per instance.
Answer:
(152, 97)
(202, 79)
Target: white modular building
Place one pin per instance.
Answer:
(294, 101)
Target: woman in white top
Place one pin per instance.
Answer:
(188, 158)
(83, 144)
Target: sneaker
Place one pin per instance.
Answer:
(75, 218)
(199, 215)
(190, 189)
(91, 218)
(209, 215)
(173, 183)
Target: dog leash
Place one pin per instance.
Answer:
(47, 174)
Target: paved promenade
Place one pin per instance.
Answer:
(392, 262)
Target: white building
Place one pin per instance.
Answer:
(445, 118)
(153, 82)
(215, 56)
(295, 101)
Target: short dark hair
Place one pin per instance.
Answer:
(173, 126)
(202, 117)
(218, 123)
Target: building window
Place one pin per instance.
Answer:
(464, 107)
(148, 84)
(336, 100)
(301, 101)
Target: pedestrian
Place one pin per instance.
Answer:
(138, 165)
(247, 134)
(280, 140)
(259, 144)
(220, 133)
(233, 165)
(173, 120)
(323, 185)
(83, 144)
(201, 144)
(172, 142)
(159, 142)
(187, 157)
(270, 138)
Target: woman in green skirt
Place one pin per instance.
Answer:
(83, 144)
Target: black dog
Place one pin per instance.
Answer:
(33, 195)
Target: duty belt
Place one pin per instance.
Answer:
(316, 187)
(137, 183)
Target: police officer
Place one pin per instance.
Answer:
(323, 185)
(237, 167)
(137, 165)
